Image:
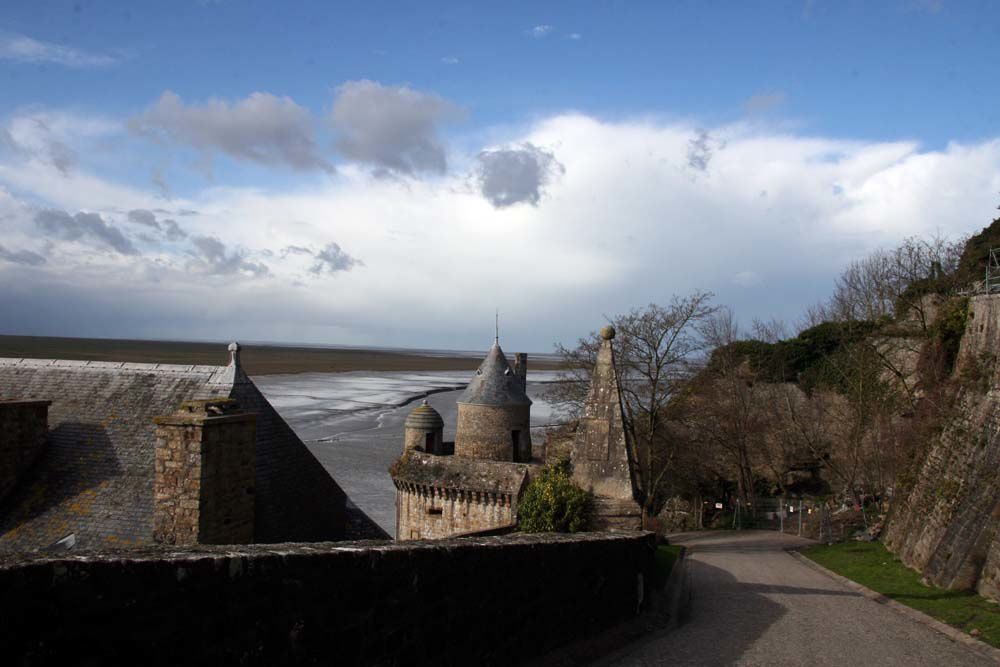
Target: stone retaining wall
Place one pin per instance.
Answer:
(490, 600)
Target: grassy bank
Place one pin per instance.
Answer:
(257, 359)
(872, 565)
(666, 556)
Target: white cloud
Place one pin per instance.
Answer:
(627, 223)
(539, 31)
(20, 48)
(449, 60)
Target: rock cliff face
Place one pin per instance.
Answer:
(945, 520)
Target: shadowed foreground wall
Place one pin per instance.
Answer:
(490, 600)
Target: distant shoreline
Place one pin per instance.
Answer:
(258, 359)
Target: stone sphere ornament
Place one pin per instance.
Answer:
(607, 332)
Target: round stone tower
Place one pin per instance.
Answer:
(494, 412)
(423, 429)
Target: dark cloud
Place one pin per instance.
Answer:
(169, 228)
(295, 250)
(141, 216)
(38, 141)
(509, 176)
(210, 256)
(332, 259)
(61, 156)
(262, 128)
(26, 257)
(701, 149)
(172, 230)
(393, 128)
(158, 181)
(83, 226)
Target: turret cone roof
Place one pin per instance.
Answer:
(495, 383)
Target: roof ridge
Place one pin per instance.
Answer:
(109, 365)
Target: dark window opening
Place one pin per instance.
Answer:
(515, 437)
(435, 511)
(429, 443)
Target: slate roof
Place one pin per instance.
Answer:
(460, 474)
(95, 478)
(495, 383)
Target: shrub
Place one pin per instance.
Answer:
(552, 503)
(949, 328)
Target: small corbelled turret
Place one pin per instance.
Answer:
(423, 429)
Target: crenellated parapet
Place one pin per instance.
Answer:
(439, 496)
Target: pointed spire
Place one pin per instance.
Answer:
(496, 339)
(601, 460)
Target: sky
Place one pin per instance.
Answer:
(391, 174)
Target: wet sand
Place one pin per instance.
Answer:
(257, 358)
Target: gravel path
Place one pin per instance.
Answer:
(753, 604)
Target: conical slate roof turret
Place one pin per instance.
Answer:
(495, 383)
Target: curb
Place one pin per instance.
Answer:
(920, 617)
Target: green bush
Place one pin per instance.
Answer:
(800, 359)
(552, 503)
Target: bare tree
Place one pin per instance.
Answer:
(726, 414)
(893, 282)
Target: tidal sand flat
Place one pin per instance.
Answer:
(353, 422)
(257, 358)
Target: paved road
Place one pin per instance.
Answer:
(753, 604)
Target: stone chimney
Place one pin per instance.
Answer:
(204, 472)
(521, 368)
(23, 427)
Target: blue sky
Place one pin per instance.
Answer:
(831, 128)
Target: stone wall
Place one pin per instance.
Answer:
(433, 513)
(488, 601)
(203, 474)
(484, 432)
(945, 519)
(23, 428)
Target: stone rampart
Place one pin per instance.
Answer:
(490, 601)
(945, 519)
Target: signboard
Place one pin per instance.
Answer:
(718, 506)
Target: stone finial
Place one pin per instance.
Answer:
(234, 354)
(607, 332)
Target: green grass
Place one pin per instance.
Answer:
(666, 556)
(872, 565)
